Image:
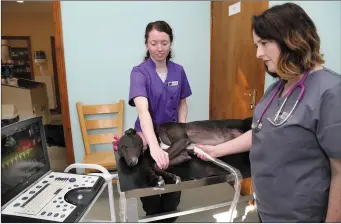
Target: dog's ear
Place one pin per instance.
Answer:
(130, 131)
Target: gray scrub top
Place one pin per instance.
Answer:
(290, 163)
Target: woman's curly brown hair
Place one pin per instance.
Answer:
(296, 34)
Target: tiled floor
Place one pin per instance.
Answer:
(194, 197)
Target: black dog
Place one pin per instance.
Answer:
(178, 139)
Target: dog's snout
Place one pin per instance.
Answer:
(134, 161)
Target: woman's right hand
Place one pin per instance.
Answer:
(209, 149)
(160, 157)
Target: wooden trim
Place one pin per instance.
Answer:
(57, 20)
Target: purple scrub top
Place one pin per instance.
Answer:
(163, 97)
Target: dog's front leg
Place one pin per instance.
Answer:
(177, 147)
(169, 177)
(153, 179)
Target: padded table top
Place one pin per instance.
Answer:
(132, 178)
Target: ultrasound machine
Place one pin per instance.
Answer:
(31, 192)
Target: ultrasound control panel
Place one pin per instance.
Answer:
(58, 197)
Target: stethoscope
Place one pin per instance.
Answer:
(257, 125)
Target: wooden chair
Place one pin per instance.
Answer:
(104, 158)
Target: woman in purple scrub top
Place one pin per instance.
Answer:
(158, 90)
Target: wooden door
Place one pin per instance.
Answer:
(237, 76)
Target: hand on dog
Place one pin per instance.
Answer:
(209, 149)
(160, 157)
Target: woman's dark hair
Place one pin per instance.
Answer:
(296, 35)
(160, 26)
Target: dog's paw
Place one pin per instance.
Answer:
(177, 180)
(174, 179)
(160, 182)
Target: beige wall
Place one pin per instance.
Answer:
(40, 27)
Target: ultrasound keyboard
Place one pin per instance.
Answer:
(58, 197)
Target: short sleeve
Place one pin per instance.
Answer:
(329, 123)
(138, 85)
(185, 87)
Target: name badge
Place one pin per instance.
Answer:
(174, 83)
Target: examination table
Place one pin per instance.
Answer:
(194, 173)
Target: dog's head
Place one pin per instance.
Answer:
(129, 147)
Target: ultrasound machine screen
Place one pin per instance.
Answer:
(22, 157)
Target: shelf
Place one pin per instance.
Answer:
(20, 54)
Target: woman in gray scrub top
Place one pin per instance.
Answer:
(296, 158)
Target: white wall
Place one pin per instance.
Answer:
(326, 16)
(104, 40)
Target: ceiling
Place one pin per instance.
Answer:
(26, 7)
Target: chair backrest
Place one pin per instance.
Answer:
(93, 124)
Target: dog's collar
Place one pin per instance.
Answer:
(116, 141)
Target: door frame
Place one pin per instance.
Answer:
(55, 77)
(261, 79)
(62, 84)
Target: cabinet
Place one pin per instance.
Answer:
(21, 66)
(29, 97)
(16, 55)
